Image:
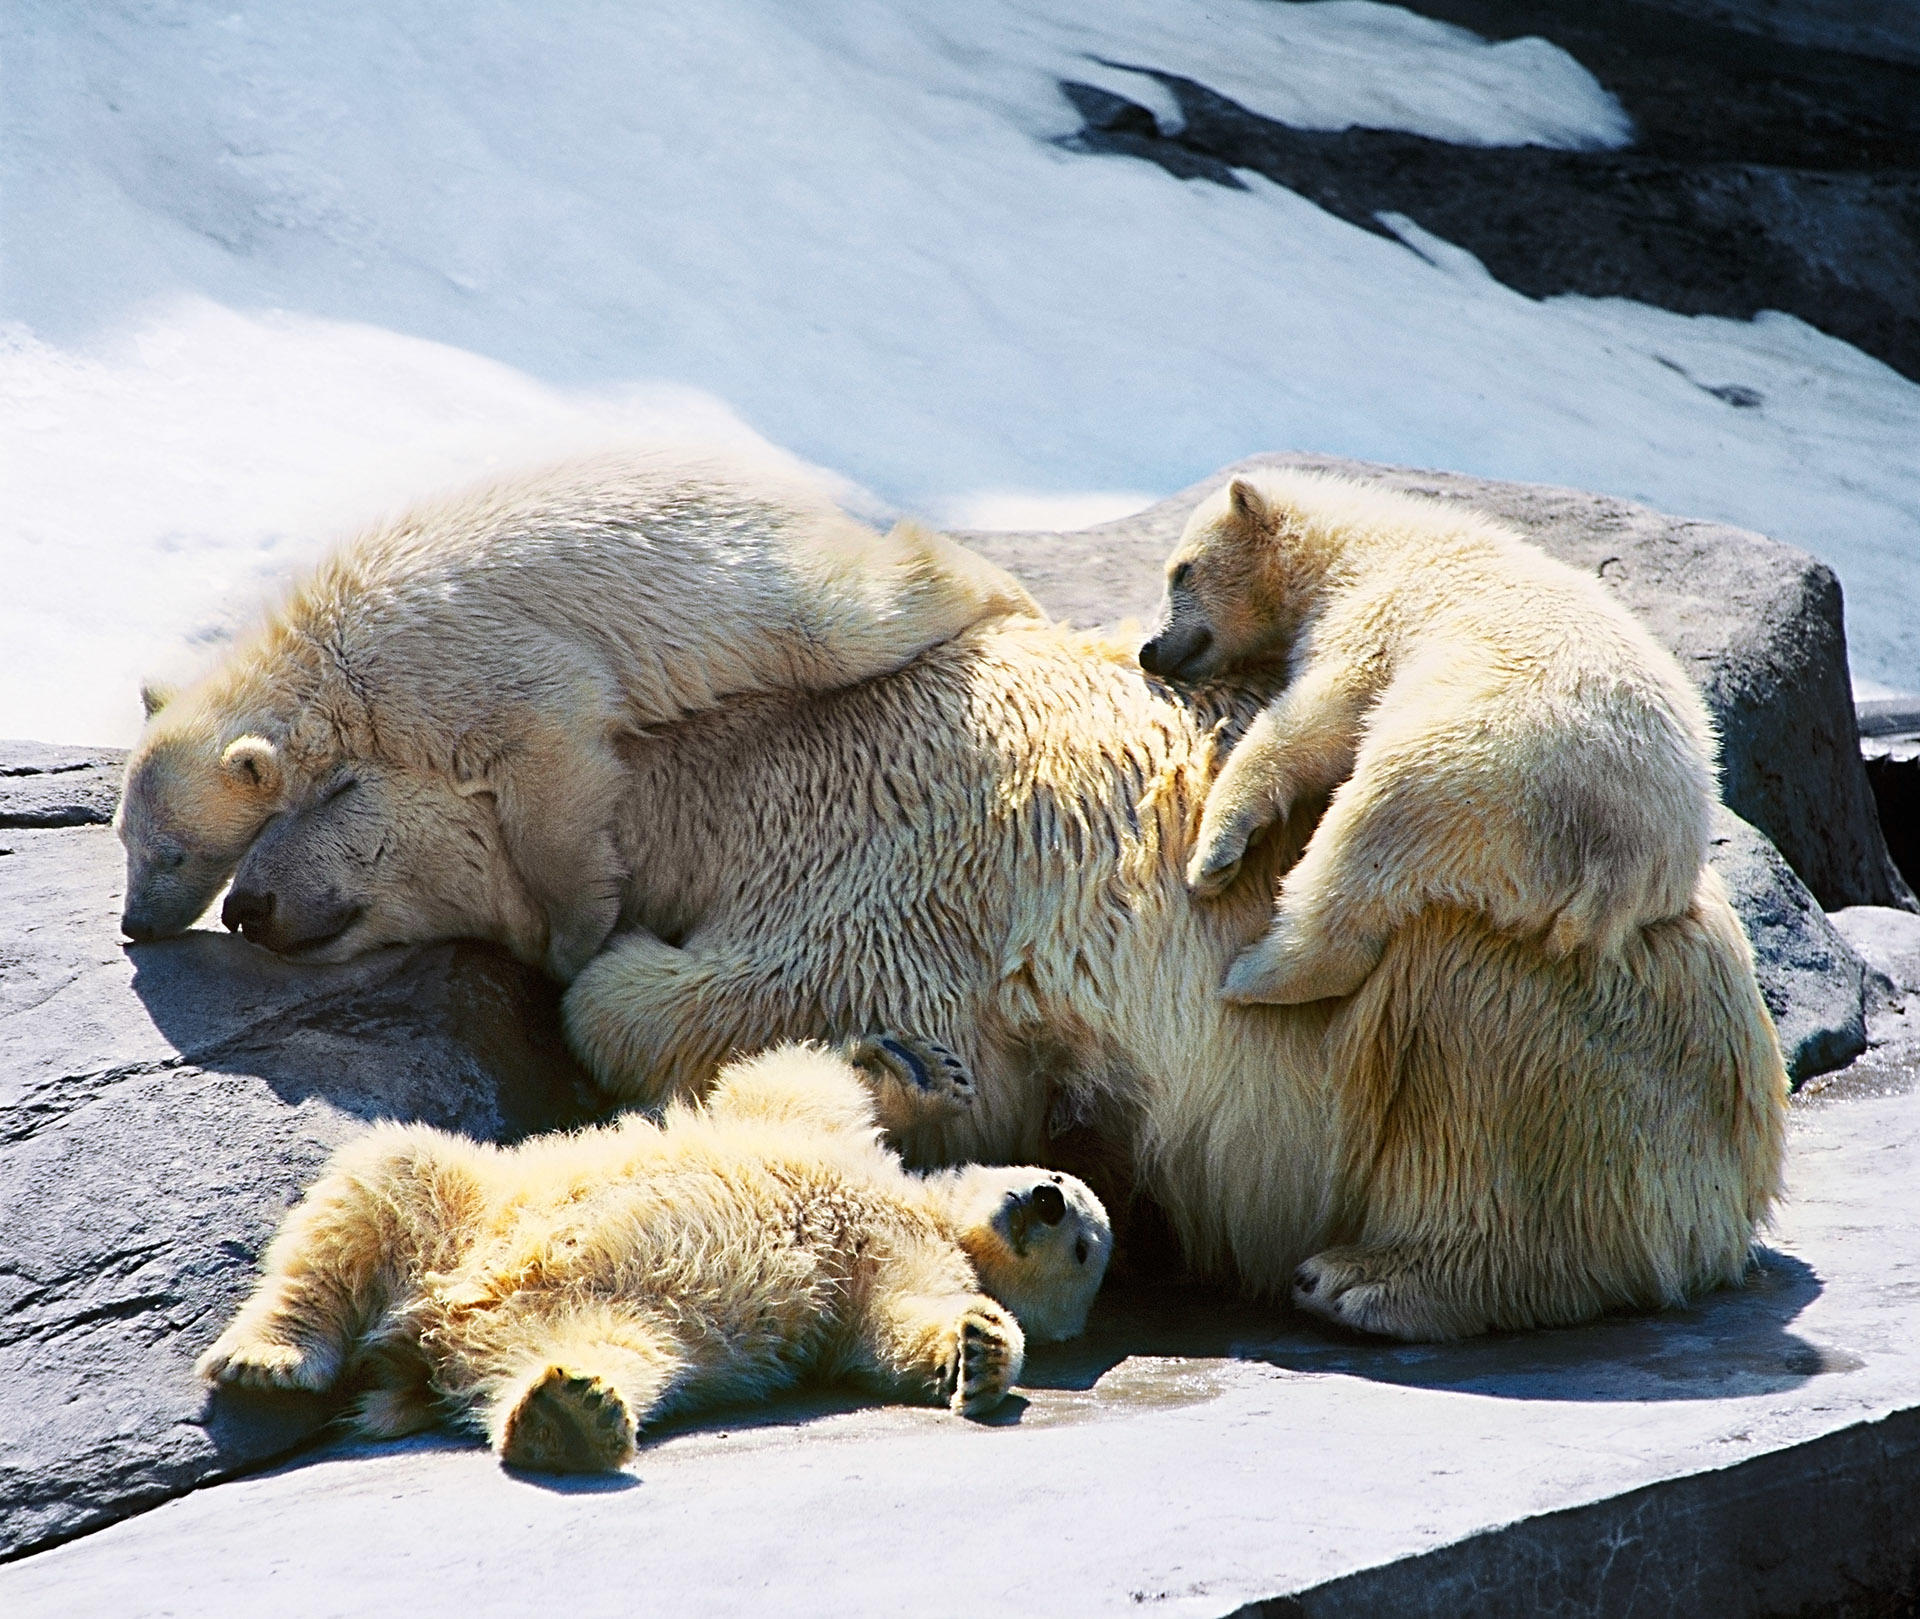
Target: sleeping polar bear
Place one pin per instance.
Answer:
(988, 845)
(562, 1294)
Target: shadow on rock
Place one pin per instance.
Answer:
(1150, 1346)
(456, 1035)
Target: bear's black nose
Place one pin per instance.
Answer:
(247, 910)
(1048, 1204)
(1150, 658)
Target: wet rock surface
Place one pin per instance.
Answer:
(1757, 624)
(160, 1107)
(1775, 164)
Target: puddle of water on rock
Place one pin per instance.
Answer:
(1137, 1384)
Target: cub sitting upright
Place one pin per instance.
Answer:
(1499, 734)
(562, 1293)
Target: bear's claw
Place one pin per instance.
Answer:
(1373, 1290)
(1212, 876)
(929, 1071)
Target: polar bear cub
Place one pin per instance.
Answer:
(515, 642)
(1499, 734)
(563, 1293)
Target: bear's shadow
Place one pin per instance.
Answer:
(457, 1035)
(1732, 1344)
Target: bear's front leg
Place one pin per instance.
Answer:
(388, 1204)
(1329, 929)
(963, 1351)
(1301, 743)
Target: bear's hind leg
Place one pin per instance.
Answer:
(568, 1419)
(579, 1389)
(1392, 1291)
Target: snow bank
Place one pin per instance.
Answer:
(272, 270)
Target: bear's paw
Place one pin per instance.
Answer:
(265, 1363)
(568, 1422)
(984, 1354)
(915, 1079)
(1384, 1291)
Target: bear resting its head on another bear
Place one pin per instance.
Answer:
(984, 842)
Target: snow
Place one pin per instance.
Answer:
(269, 272)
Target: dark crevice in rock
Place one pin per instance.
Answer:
(1895, 781)
(1763, 175)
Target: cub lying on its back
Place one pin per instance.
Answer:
(1503, 736)
(562, 1293)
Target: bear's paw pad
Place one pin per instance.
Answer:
(982, 1361)
(263, 1363)
(568, 1422)
(930, 1071)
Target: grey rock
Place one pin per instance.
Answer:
(1886, 939)
(1813, 981)
(1885, 29)
(160, 1107)
(49, 786)
(1757, 624)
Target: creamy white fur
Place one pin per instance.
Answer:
(1497, 731)
(561, 1294)
(509, 638)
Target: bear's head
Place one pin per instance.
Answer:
(1039, 1241)
(374, 853)
(196, 795)
(1240, 583)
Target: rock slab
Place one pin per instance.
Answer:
(42, 785)
(160, 1107)
(1757, 624)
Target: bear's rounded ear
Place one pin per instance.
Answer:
(1246, 503)
(154, 696)
(254, 763)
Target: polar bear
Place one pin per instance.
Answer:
(562, 1294)
(1497, 732)
(988, 845)
(508, 639)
